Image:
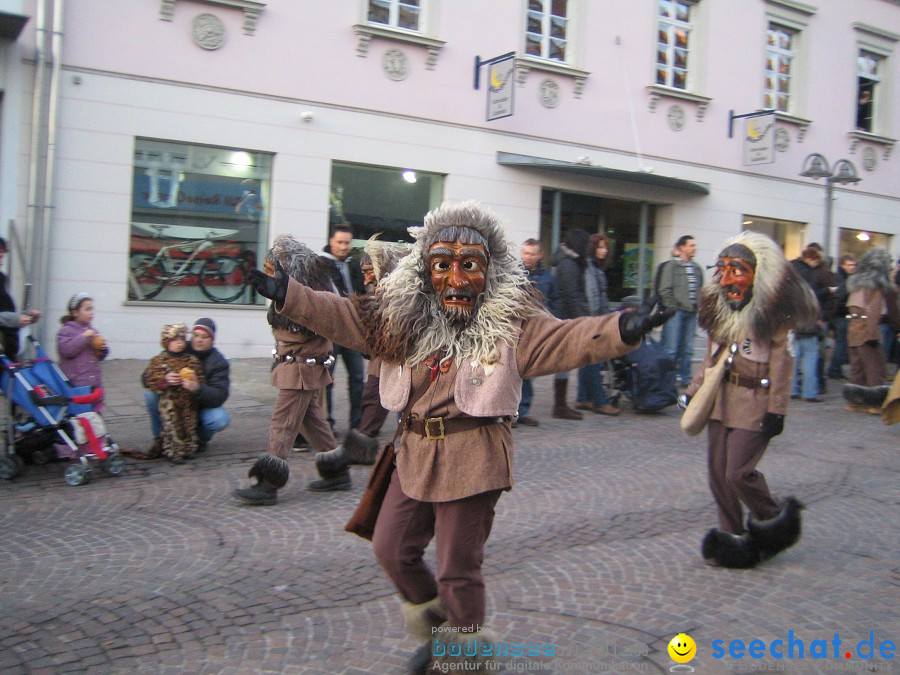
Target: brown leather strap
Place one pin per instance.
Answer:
(436, 428)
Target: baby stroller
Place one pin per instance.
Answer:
(646, 376)
(47, 417)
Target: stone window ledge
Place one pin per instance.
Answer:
(856, 137)
(525, 64)
(251, 8)
(799, 122)
(366, 31)
(657, 92)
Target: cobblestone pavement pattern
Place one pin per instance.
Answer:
(594, 551)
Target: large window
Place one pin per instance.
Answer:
(868, 78)
(199, 219)
(382, 200)
(780, 55)
(405, 14)
(673, 41)
(547, 29)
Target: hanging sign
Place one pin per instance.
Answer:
(501, 87)
(759, 139)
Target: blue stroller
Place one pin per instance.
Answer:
(48, 417)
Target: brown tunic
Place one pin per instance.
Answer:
(298, 374)
(468, 462)
(742, 407)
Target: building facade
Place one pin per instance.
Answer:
(152, 148)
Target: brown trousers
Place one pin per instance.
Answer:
(299, 410)
(373, 413)
(868, 366)
(460, 529)
(733, 478)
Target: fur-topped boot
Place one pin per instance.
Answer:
(729, 550)
(421, 620)
(778, 533)
(271, 474)
(333, 467)
(361, 449)
(473, 651)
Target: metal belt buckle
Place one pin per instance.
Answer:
(440, 434)
(733, 377)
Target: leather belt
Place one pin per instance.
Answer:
(732, 377)
(437, 428)
(326, 361)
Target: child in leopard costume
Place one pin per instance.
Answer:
(177, 410)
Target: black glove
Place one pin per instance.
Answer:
(772, 424)
(634, 324)
(683, 401)
(274, 287)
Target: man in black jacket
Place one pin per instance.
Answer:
(348, 280)
(209, 396)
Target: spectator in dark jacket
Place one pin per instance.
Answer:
(542, 278)
(846, 267)
(806, 361)
(209, 396)
(571, 303)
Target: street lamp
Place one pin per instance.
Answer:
(816, 166)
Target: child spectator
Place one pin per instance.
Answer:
(81, 348)
(166, 375)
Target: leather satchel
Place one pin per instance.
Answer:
(700, 407)
(362, 522)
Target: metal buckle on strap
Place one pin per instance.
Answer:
(439, 436)
(732, 377)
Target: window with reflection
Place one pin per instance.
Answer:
(673, 37)
(199, 218)
(381, 200)
(546, 29)
(780, 56)
(405, 14)
(868, 78)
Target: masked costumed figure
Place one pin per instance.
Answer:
(456, 326)
(301, 360)
(872, 318)
(748, 308)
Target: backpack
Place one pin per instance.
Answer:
(651, 376)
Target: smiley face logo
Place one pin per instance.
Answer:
(682, 648)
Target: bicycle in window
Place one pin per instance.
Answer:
(221, 278)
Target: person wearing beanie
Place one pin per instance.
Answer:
(169, 374)
(209, 395)
(81, 348)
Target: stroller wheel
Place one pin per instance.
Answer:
(41, 455)
(78, 474)
(9, 467)
(114, 465)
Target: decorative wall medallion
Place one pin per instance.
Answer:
(869, 158)
(782, 139)
(675, 116)
(395, 64)
(549, 93)
(208, 31)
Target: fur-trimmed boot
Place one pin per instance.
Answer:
(333, 467)
(729, 550)
(421, 620)
(271, 474)
(361, 449)
(774, 535)
(870, 397)
(476, 651)
(561, 410)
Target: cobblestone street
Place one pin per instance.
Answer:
(594, 552)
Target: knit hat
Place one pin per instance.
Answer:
(171, 331)
(205, 324)
(77, 299)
